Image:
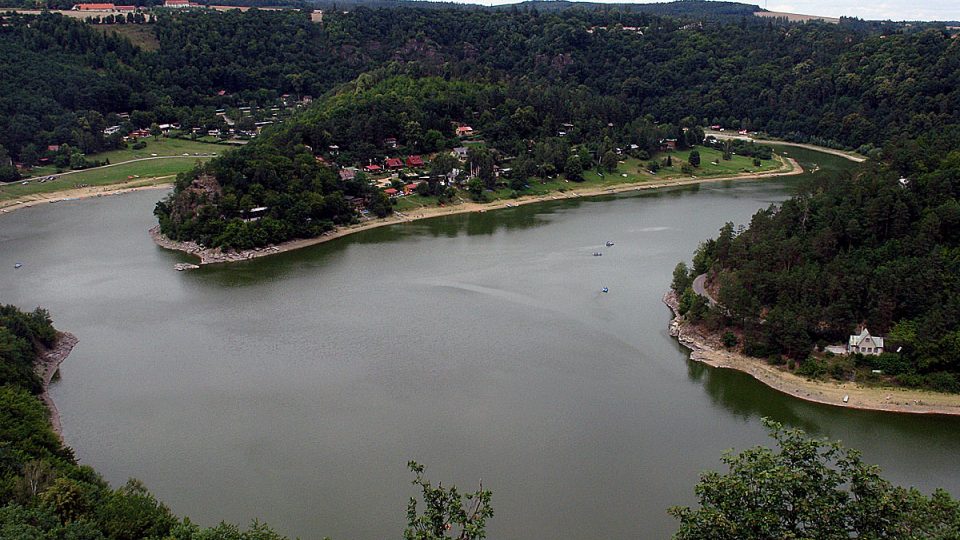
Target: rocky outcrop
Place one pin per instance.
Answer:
(48, 363)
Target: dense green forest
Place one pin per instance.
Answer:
(878, 247)
(845, 85)
(525, 78)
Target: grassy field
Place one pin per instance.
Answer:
(141, 35)
(628, 171)
(160, 147)
(152, 171)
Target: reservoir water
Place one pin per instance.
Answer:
(293, 389)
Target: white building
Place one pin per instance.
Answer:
(865, 344)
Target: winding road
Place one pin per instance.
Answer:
(700, 288)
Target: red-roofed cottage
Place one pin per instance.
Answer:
(414, 161)
(394, 163)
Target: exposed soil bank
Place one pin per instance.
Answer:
(707, 348)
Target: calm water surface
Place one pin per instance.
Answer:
(294, 389)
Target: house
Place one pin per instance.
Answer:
(460, 153)
(409, 188)
(348, 174)
(668, 144)
(391, 192)
(394, 163)
(865, 344)
(414, 161)
(111, 130)
(464, 131)
(358, 203)
(390, 142)
(53, 148)
(373, 168)
(125, 8)
(94, 7)
(177, 3)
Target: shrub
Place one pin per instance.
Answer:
(812, 368)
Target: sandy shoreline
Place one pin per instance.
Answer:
(707, 349)
(28, 201)
(47, 365)
(214, 256)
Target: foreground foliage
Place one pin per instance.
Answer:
(810, 488)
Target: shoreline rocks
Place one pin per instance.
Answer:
(47, 366)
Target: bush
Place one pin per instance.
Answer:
(942, 381)
(812, 368)
(139, 145)
(729, 340)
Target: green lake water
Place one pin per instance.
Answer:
(294, 388)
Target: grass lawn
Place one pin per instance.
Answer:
(628, 171)
(160, 147)
(636, 170)
(411, 203)
(141, 35)
(145, 171)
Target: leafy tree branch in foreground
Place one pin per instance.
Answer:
(810, 488)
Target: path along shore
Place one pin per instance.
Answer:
(47, 365)
(706, 347)
(213, 256)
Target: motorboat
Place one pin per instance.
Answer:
(609, 243)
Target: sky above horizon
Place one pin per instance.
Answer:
(898, 10)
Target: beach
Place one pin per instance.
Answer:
(706, 347)
(88, 192)
(790, 167)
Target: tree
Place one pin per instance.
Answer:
(609, 161)
(447, 513)
(694, 158)
(574, 169)
(681, 278)
(809, 488)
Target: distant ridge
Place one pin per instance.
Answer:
(680, 8)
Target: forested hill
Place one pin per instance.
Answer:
(836, 84)
(879, 248)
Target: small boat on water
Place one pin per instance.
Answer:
(18, 265)
(597, 254)
(604, 290)
(180, 267)
(609, 243)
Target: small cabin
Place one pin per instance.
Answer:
(864, 343)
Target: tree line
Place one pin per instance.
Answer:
(829, 83)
